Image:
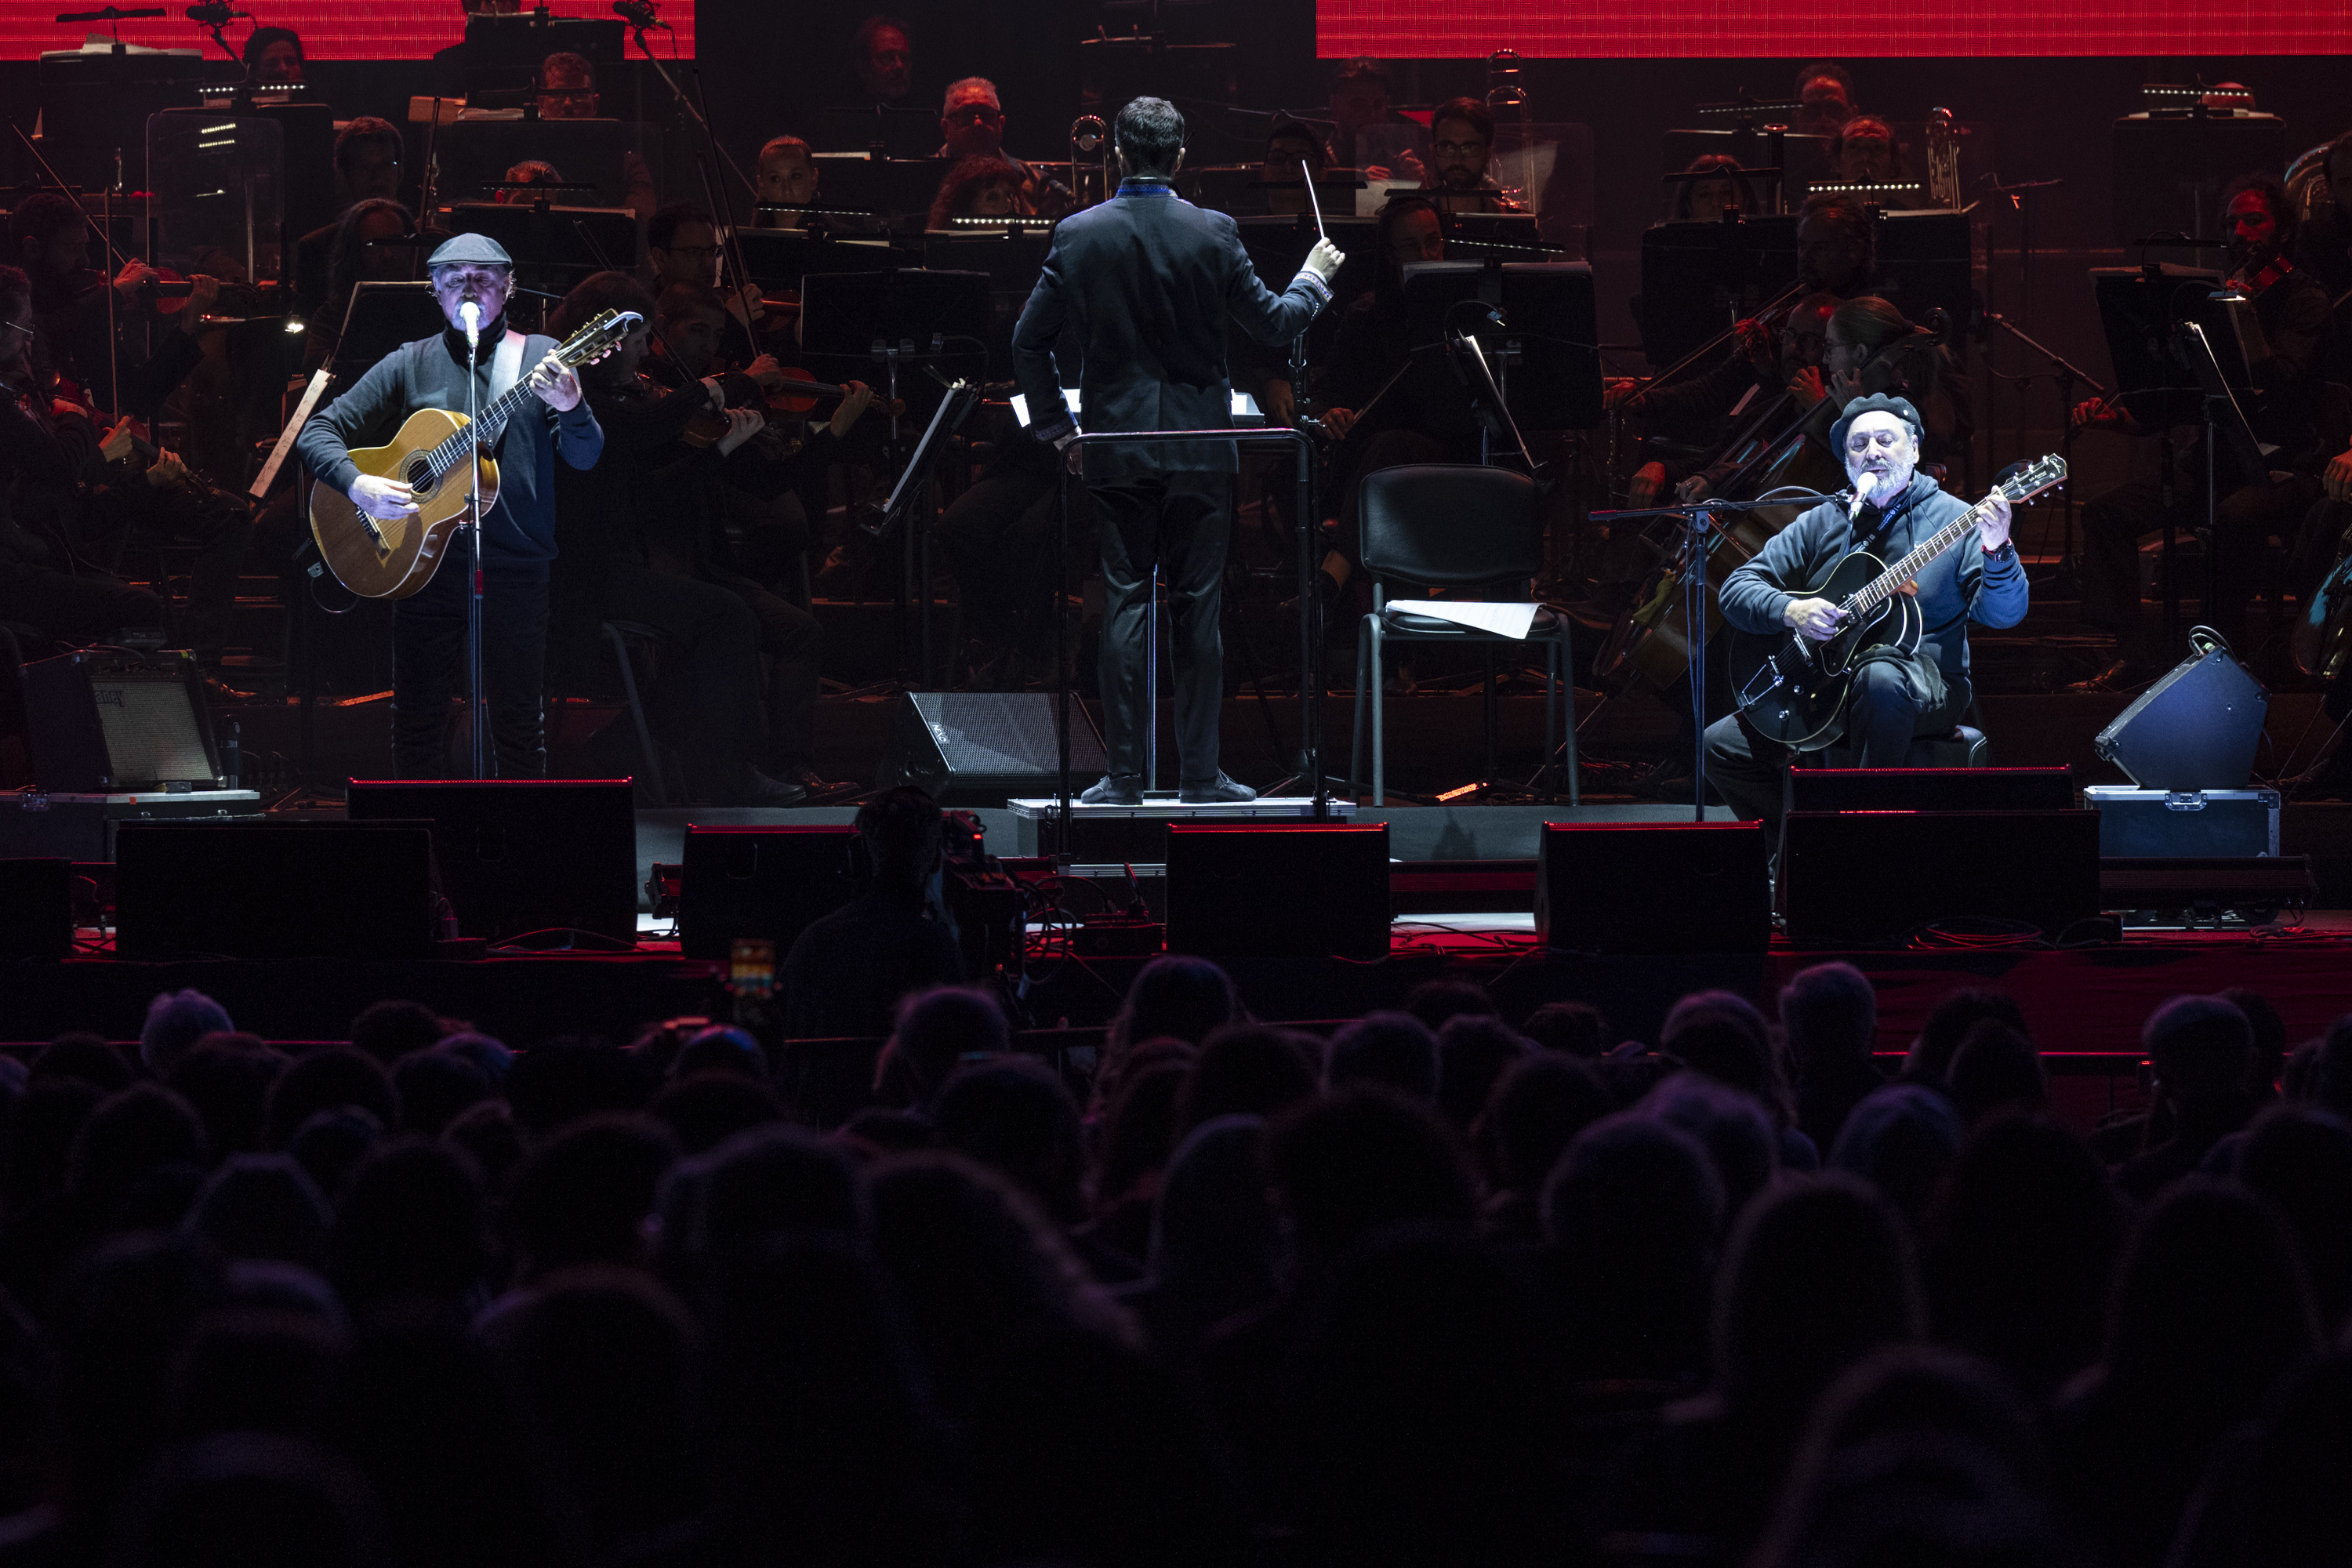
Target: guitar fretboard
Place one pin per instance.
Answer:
(1884, 586)
(458, 448)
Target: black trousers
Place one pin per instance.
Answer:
(715, 677)
(794, 641)
(428, 669)
(2116, 520)
(1177, 522)
(72, 608)
(1894, 700)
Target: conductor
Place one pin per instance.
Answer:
(1139, 288)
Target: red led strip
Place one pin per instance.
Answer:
(331, 29)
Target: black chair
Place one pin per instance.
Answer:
(1442, 525)
(1964, 746)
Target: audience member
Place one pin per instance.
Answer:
(1536, 1108)
(938, 1031)
(1395, 1050)
(1948, 1023)
(1215, 1247)
(391, 1030)
(2211, 1307)
(1434, 1001)
(176, 1020)
(846, 974)
(1901, 1138)
(2019, 1249)
(1997, 1069)
(1248, 1069)
(1635, 1214)
(1474, 1051)
(2201, 1049)
(1830, 1016)
(1579, 1028)
(2300, 1163)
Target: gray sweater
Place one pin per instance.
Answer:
(1960, 585)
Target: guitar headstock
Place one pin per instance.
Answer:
(599, 337)
(2032, 480)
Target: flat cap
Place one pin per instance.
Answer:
(1876, 403)
(478, 248)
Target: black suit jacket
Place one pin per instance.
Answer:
(1141, 286)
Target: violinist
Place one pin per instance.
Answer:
(49, 235)
(1836, 253)
(636, 545)
(47, 443)
(798, 444)
(1868, 346)
(2290, 414)
(682, 246)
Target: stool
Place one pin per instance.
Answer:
(626, 638)
(1963, 747)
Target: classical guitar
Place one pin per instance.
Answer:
(1793, 689)
(391, 558)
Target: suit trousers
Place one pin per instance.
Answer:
(1894, 700)
(1175, 521)
(428, 668)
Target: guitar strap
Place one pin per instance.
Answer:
(505, 369)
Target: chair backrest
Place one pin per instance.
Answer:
(1450, 525)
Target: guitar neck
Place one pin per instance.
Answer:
(1884, 586)
(458, 448)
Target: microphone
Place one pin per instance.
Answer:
(471, 314)
(1861, 489)
(636, 13)
(215, 13)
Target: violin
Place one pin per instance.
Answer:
(796, 399)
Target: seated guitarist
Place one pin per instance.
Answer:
(1895, 697)
(428, 629)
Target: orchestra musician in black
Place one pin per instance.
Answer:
(2290, 414)
(1896, 696)
(1141, 286)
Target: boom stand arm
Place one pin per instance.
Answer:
(1699, 522)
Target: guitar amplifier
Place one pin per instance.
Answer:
(110, 720)
(2194, 728)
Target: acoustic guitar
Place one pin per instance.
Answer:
(1793, 689)
(391, 558)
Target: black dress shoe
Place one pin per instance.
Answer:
(1113, 789)
(2121, 676)
(1219, 791)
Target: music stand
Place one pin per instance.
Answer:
(1553, 375)
(2141, 310)
(901, 189)
(2225, 421)
(901, 132)
(1692, 274)
(564, 244)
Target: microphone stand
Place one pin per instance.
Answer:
(480, 720)
(2065, 375)
(1699, 518)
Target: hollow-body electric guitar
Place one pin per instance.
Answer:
(391, 558)
(1793, 689)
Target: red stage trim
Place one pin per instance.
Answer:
(1811, 29)
(331, 29)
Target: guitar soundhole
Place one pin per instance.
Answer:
(420, 479)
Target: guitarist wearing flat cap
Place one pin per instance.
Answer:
(428, 626)
(1896, 693)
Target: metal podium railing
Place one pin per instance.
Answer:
(1310, 631)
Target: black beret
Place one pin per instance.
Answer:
(1876, 403)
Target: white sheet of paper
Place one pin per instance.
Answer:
(1502, 620)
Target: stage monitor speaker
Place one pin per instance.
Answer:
(522, 855)
(1654, 887)
(36, 909)
(328, 890)
(1293, 890)
(2194, 728)
(1929, 789)
(773, 883)
(108, 722)
(983, 748)
(1869, 878)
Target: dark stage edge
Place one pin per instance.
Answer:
(2082, 1000)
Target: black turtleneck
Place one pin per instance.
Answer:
(431, 373)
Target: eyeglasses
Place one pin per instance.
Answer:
(1458, 149)
(972, 114)
(451, 278)
(700, 252)
(568, 94)
(16, 326)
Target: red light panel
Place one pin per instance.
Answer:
(331, 29)
(1811, 29)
